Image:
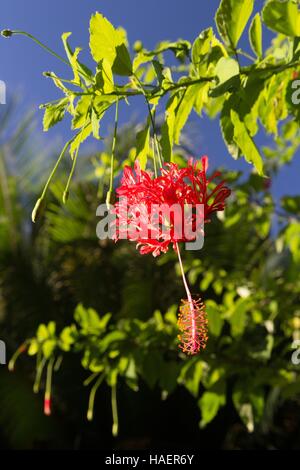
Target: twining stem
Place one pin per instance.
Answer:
(90, 413)
(112, 159)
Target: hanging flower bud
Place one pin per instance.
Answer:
(47, 404)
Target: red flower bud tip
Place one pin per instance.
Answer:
(22, 348)
(47, 406)
(295, 74)
(192, 323)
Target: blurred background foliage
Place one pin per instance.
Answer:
(110, 314)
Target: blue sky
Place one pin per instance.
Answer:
(22, 63)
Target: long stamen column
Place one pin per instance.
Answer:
(192, 320)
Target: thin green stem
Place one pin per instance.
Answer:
(47, 399)
(189, 295)
(64, 80)
(90, 413)
(154, 159)
(114, 406)
(38, 377)
(42, 197)
(245, 54)
(19, 351)
(90, 379)
(55, 168)
(159, 162)
(47, 49)
(157, 148)
(49, 376)
(58, 363)
(112, 159)
(66, 191)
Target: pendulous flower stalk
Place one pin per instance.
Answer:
(192, 320)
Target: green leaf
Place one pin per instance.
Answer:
(48, 347)
(82, 111)
(72, 56)
(75, 64)
(42, 333)
(282, 17)
(51, 328)
(210, 403)
(110, 339)
(33, 347)
(142, 57)
(227, 128)
(104, 77)
(95, 124)
(201, 98)
(54, 113)
(227, 71)
(292, 238)
(80, 138)
(231, 19)
(184, 109)
(168, 376)
(122, 64)
(190, 376)
(150, 365)
(238, 317)
(215, 321)
(103, 39)
(109, 43)
(89, 320)
(68, 337)
(249, 403)
(245, 142)
(201, 46)
(143, 145)
(226, 68)
(291, 204)
(255, 36)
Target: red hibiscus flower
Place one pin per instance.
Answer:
(152, 211)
